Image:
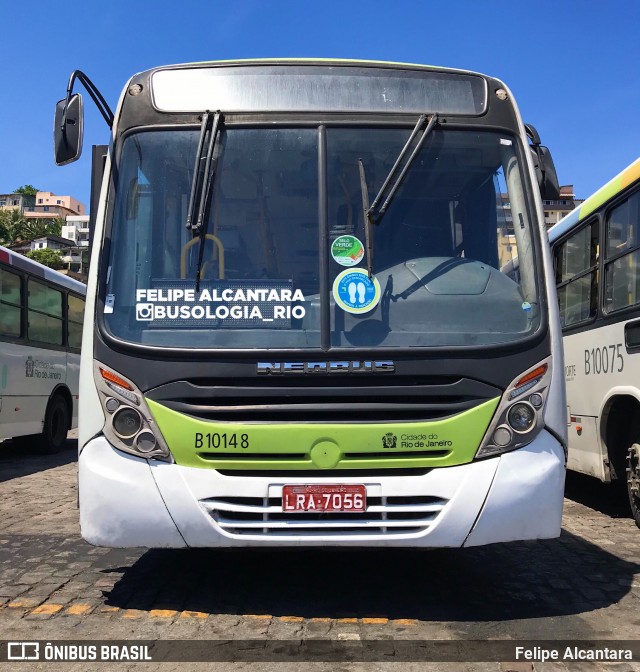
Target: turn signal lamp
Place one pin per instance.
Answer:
(119, 386)
(528, 381)
(538, 372)
(112, 378)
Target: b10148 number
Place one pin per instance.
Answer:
(216, 440)
(607, 359)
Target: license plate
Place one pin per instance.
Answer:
(324, 498)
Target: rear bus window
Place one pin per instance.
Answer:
(9, 304)
(622, 280)
(577, 276)
(75, 314)
(45, 313)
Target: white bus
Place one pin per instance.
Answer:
(41, 314)
(297, 329)
(597, 260)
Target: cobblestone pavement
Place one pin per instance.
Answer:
(584, 585)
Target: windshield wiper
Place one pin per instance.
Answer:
(201, 184)
(374, 213)
(368, 220)
(377, 214)
(197, 171)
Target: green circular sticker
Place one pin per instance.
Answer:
(347, 250)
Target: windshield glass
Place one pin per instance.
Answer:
(285, 242)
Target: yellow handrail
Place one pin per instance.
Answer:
(183, 256)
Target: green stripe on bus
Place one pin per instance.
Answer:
(609, 190)
(601, 196)
(295, 446)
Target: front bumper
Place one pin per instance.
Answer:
(127, 501)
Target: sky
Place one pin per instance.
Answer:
(573, 66)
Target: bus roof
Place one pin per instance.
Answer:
(629, 175)
(36, 269)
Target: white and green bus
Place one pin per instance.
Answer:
(597, 259)
(41, 314)
(298, 332)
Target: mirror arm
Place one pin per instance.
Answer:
(96, 96)
(532, 134)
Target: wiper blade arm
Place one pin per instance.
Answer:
(376, 214)
(405, 149)
(207, 177)
(368, 222)
(201, 184)
(197, 170)
(372, 215)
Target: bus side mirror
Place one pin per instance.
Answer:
(546, 173)
(68, 130)
(544, 166)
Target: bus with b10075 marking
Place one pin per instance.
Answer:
(298, 330)
(597, 258)
(41, 314)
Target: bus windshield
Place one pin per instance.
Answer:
(284, 263)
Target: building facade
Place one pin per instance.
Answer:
(76, 229)
(21, 202)
(51, 243)
(51, 206)
(554, 211)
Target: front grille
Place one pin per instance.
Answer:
(329, 399)
(385, 516)
(270, 462)
(314, 424)
(329, 474)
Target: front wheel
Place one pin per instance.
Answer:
(57, 422)
(633, 480)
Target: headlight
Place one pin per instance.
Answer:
(502, 437)
(146, 441)
(519, 417)
(129, 425)
(126, 422)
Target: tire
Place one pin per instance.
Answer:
(57, 422)
(633, 480)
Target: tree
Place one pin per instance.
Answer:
(38, 227)
(55, 226)
(12, 226)
(50, 258)
(27, 190)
